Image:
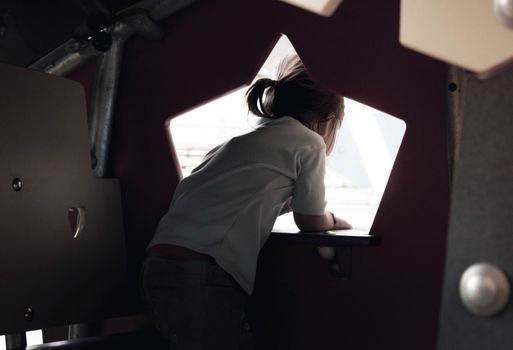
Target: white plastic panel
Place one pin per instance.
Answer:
(321, 7)
(460, 32)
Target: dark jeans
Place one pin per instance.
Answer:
(194, 303)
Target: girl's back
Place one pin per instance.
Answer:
(227, 206)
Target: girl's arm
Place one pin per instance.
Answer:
(328, 221)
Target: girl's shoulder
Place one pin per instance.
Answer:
(307, 135)
(287, 132)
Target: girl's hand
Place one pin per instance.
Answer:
(313, 223)
(341, 224)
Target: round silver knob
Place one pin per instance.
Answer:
(504, 12)
(484, 289)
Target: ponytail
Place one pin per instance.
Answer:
(294, 94)
(256, 95)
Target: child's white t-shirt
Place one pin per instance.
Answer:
(228, 205)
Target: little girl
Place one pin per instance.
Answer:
(201, 263)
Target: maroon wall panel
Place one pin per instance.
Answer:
(216, 46)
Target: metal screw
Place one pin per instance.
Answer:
(17, 185)
(29, 314)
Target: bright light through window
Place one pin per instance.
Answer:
(360, 164)
(33, 338)
(357, 170)
(198, 131)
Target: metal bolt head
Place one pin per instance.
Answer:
(102, 41)
(484, 289)
(29, 314)
(17, 184)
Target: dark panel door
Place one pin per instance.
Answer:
(49, 275)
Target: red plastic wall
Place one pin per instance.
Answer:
(215, 46)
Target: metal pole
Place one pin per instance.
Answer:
(104, 97)
(65, 58)
(73, 53)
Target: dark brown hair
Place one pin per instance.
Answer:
(294, 94)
